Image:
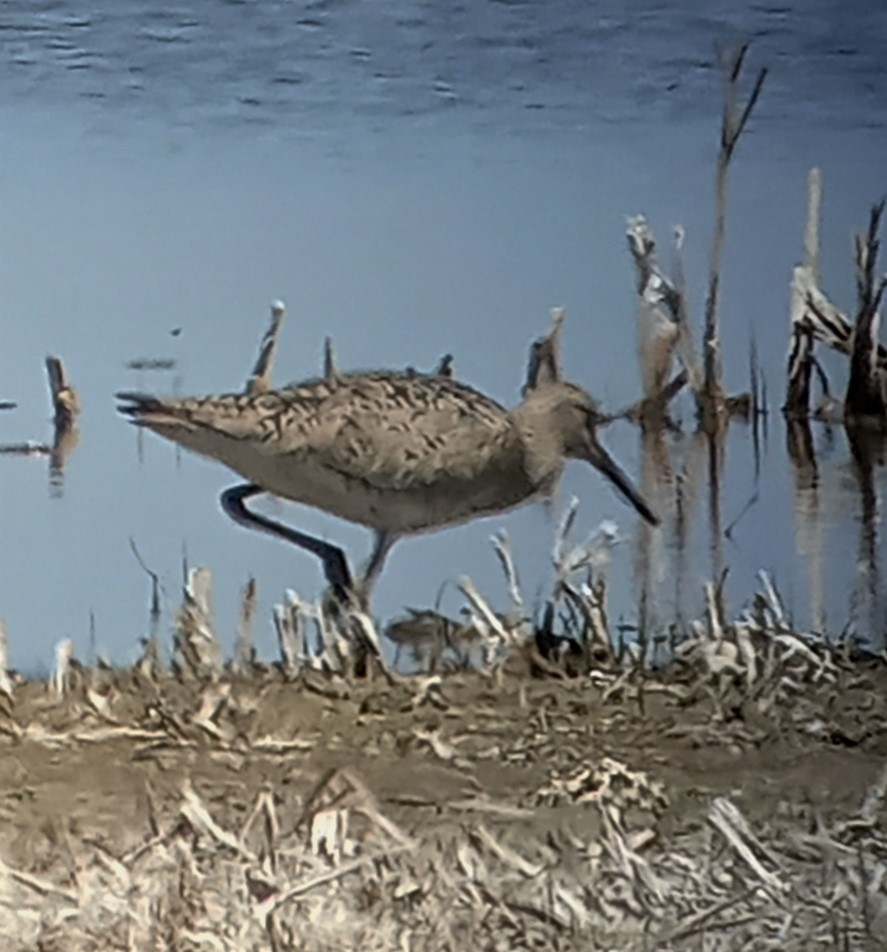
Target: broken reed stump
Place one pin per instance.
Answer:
(330, 369)
(244, 647)
(64, 674)
(663, 313)
(815, 318)
(197, 653)
(800, 353)
(66, 408)
(65, 400)
(544, 365)
(289, 623)
(663, 330)
(866, 398)
(663, 333)
(804, 278)
(260, 378)
(825, 322)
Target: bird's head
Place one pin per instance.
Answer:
(573, 417)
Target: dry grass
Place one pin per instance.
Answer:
(293, 806)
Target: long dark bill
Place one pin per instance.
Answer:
(604, 463)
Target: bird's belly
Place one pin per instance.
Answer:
(395, 510)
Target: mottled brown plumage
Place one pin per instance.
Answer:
(398, 452)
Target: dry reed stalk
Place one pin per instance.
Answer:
(197, 652)
(817, 315)
(335, 644)
(39, 885)
(260, 379)
(814, 317)
(662, 326)
(244, 649)
(725, 817)
(866, 396)
(289, 622)
(66, 409)
(814, 220)
(590, 632)
(6, 686)
(149, 662)
(360, 629)
(61, 682)
(544, 365)
(65, 401)
(733, 122)
(330, 369)
(194, 810)
(800, 356)
(497, 639)
(265, 813)
(346, 638)
(502, 546)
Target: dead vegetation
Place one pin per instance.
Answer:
(816, 318)
(543, 799)
(664, 332)
(66, 436)
(328, 868)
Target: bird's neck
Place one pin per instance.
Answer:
(542, 444)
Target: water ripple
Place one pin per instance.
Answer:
(514, 66)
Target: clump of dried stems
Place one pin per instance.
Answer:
(595, 856)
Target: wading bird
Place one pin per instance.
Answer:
(398, 452)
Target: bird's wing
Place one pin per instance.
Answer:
(390, 430)
(396, 431)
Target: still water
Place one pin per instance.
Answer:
(412, 179)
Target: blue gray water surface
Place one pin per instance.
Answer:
(412, 179)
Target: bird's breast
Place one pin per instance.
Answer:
(446, 500)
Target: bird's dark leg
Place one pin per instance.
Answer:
(335, 565)
(381, 547)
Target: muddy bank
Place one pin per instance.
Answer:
(616, 810)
